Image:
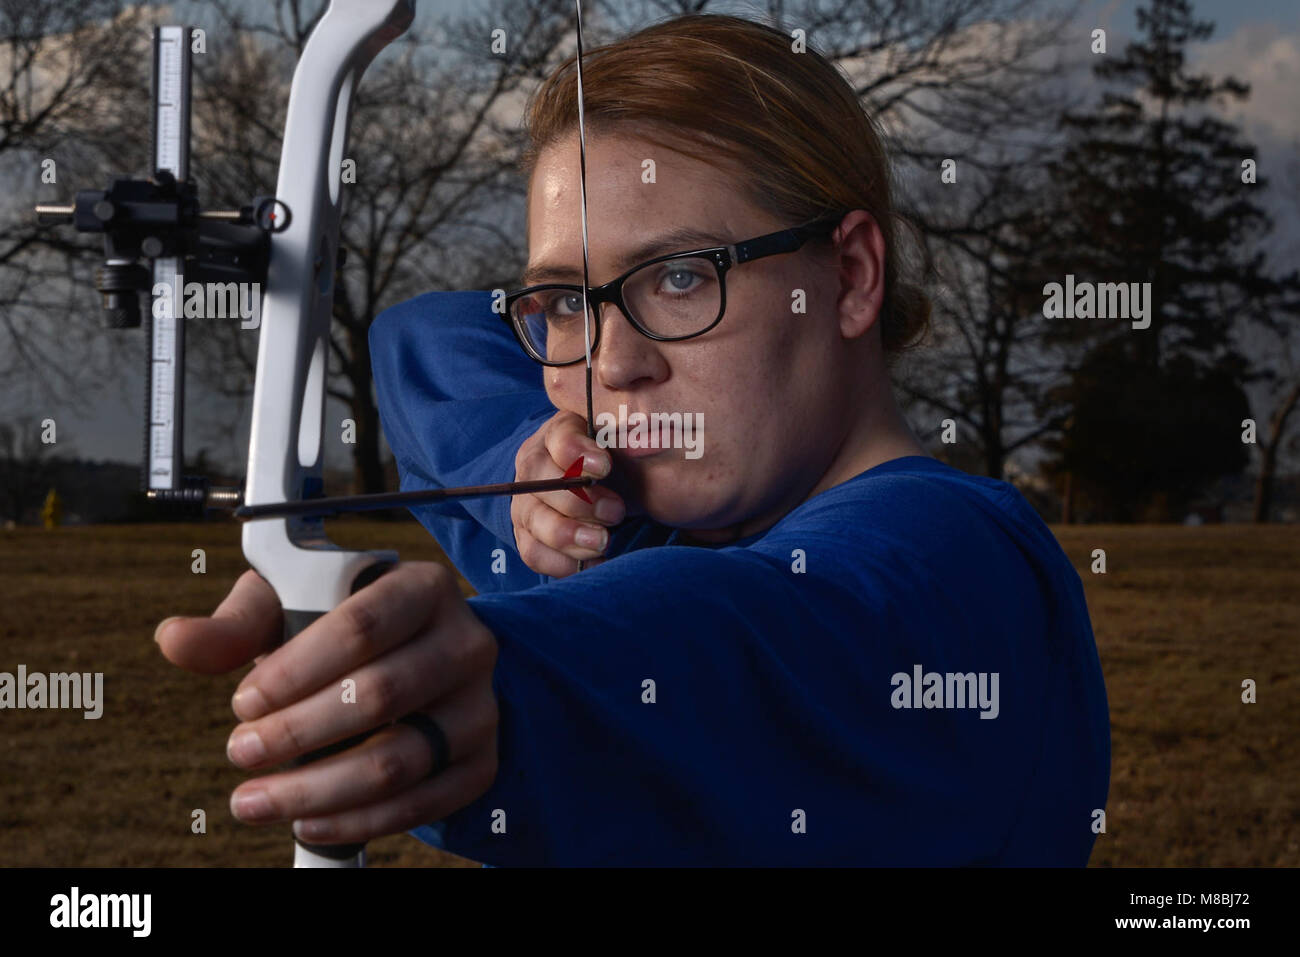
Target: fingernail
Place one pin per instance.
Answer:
(248, 704)
(251, 806)
(245, 747)
(597, 463)
(609, 510)
(164, 623)
(593, 538)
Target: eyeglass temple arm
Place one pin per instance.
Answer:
(787, 240)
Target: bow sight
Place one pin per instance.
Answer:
(160, 220)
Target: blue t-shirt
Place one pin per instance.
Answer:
(899, 671)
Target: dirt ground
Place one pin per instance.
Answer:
(1182, 616)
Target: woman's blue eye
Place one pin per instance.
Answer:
(680, 280)
(564, 305)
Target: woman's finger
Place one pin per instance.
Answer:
(557, 445)
(571, 536)
(376, 619)
(427, 801)
(567, 439)
(381, 767)
(246, 624)
(541, 558)
(458, 651)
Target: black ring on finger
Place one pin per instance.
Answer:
(434, 735)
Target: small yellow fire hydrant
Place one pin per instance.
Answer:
(52, 510)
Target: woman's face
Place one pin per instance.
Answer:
(769, 384)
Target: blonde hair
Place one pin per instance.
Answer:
(790, 121)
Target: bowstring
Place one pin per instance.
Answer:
(582, 189)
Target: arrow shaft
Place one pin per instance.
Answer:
(321, 507)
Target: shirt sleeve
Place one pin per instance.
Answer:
(457, 398)
(690, 706)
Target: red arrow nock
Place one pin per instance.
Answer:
(573, 471)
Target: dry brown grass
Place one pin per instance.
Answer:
(1183, 615)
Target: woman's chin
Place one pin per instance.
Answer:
(681, 508)
(669, 490)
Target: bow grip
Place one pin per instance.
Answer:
(295, 622)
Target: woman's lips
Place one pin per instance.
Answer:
(643, 442)
(640, 453)
(650, 442)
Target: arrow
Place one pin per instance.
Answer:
(573, 480)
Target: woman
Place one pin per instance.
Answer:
(808, 643)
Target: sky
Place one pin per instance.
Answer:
(1257, 41)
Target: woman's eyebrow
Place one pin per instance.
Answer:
(680, 239)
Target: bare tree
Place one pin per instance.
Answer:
(1270, 339)
(431, 193)
(64, 65)
(988, 366)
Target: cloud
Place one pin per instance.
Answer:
(1258, 54)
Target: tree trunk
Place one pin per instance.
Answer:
(367, 469)
(994, 455)
(1268, 454)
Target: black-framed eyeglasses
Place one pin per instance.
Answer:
(669, 298)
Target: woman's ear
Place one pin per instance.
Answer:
(860, 257)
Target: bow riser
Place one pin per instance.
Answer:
(309, 573)
(286, 454)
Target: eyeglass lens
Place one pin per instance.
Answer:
(677, 297)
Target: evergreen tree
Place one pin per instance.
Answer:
(1154, 189)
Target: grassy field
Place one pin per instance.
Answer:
(1182, 616)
